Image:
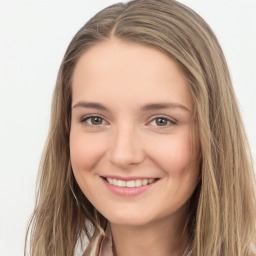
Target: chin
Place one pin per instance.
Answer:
(128, 219)
(132, 222)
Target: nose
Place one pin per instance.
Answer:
(125, 148)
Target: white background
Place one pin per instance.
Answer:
(33, 38)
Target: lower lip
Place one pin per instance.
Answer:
(124, 191)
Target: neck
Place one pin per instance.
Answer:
(162, 238)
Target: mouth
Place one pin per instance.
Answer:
(130, 183)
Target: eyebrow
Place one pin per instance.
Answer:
(95, 105)
(156, 106)
(147, 107)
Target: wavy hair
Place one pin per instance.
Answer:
(222, 208)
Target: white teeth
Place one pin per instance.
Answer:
(110, 180)
(144, 182)
(138, 183)
(130, 183)
(121, 183)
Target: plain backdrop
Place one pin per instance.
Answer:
(33, 38)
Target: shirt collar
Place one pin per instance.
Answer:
(106, 243)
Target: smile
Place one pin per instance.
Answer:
(129, 186)
(130, 183)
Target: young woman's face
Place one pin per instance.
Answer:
(132, 147)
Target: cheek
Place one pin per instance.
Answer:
(176, 155)
(180, 163)
(85, 151)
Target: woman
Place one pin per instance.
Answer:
(146, 153)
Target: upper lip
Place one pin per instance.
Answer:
(127, 178)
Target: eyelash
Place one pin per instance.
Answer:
(88, 117)
(170, 122)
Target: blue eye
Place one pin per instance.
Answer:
(93, 120)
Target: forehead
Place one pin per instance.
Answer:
(128, 71)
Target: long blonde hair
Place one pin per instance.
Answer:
(222, 208)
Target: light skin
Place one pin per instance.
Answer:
(132, 117)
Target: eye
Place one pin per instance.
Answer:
(93, 120)
(162, 121)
